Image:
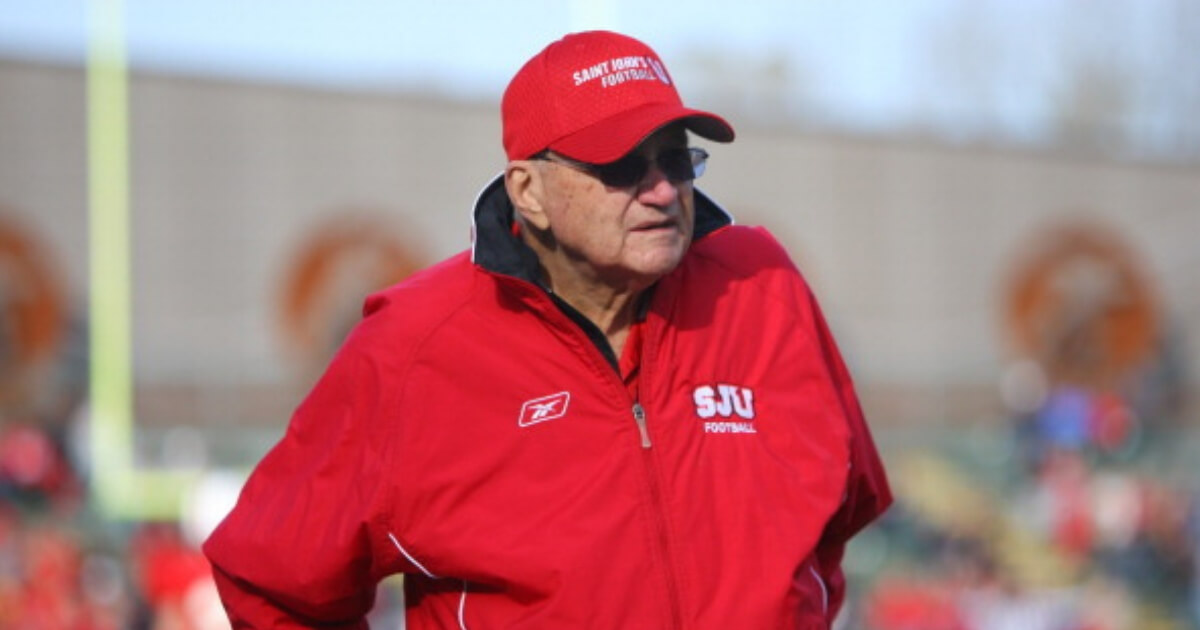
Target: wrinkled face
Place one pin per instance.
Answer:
(619, 235)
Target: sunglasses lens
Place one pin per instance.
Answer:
(625, 172)
(699, 158)
(679, 165)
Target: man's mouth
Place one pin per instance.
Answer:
(656, 225)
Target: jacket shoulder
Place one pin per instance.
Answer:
(745, 251)
(424, 298)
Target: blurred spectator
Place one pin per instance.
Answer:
(902, 604)
(175, 580)
(32, 465)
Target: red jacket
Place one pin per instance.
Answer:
(471, 434)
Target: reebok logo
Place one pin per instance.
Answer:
(545, 408)
(726, 401)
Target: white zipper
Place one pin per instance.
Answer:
(639, 417)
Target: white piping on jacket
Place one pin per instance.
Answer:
(462, 607)
(479, 198)
(728, 214)
(410, 558)
(462, 601)
(824, 590)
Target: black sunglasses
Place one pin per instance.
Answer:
(679, 165)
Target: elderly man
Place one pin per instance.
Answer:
(618, 410)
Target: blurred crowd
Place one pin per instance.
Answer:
(1079, 516)
(64, 568)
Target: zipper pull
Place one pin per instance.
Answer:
(639, 417)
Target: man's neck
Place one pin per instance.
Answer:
(611, 308)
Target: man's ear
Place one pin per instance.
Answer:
(525, 185)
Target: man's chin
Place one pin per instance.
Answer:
(659, 264)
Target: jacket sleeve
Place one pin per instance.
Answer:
(307, 542)
(867, 493)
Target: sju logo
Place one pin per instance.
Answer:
(724, 400)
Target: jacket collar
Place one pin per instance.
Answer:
(496, 248)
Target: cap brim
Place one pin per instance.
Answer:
(611, 138)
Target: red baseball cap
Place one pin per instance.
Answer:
(593, 97)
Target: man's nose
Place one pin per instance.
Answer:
(655, 189)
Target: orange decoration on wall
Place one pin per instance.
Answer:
(335, 268)
(32, 314)
(1082, 305)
